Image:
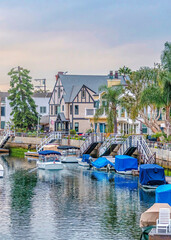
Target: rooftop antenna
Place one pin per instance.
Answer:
(42, 84)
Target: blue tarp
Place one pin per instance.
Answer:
(102, 162)
(163, 194)
(152, 174)
(48, 152)
(125, 163)
(86, 158)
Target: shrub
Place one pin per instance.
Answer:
(72, 132)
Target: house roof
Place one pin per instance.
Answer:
(73, 83)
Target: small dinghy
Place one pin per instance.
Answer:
(1, 171)
(85, 160)
(103, 164)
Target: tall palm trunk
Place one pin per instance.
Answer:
(115, 121)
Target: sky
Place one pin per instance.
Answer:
(81, 36)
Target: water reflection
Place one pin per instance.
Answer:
(22, 192)
(74, 203)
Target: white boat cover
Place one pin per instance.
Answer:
(149, 217)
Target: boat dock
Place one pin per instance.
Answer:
(3, 150)
(31, 154)
(168, 179)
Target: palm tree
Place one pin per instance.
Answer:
(166, 62)
(125, 70)
(110, 101)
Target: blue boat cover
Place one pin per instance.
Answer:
(48, 152)
(86, 158)
(102, 162)
(163, 194)
(152, 174)
(125, 163)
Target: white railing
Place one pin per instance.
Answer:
(92, 138)
(141, 145)
(6, 136)
(112, 139)
(48, 139)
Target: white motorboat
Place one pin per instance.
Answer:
(1, 171)
(49, 160)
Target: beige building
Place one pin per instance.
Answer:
(73, 100)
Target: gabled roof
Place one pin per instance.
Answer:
(73, 83)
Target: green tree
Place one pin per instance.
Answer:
(166, 63)
(23, 113)
(142, 97)
(125, 71)
(109, 102)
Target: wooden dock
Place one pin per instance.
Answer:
(168, 179)
(3, 150)
(31, 154)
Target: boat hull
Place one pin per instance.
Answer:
(50, 165)
(125, 172)
(83, 164)
(69, 159)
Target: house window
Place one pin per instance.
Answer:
(51, 109)
(144, 129)
(76, 109)
(104, 103)
(123, 112)
(42, 109)
(76, 126)
(83, 93)
(2, 124)
(62, 107)
(3, 111)
(59, 92)
(56, 110)
(70, 109)
(96, 104)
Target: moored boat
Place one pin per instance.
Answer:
(151, 176)
(125, 164)
(85, 160)
(103, 164)
(69, 154)
(49, 160)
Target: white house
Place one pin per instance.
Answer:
(41, 101)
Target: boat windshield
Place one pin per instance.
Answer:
(50, 158)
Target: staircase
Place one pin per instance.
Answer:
(91, 142)
(48, 139)
(109, 144)
(5, 138)
(137, 142)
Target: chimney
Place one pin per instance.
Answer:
(111, 74)
(116, 74)
(57, 76)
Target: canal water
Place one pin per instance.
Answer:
(71, 204)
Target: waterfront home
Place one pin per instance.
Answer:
(74, 100)
(41, 100)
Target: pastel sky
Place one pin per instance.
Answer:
(81, 36)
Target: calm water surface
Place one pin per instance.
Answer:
(71, 204)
